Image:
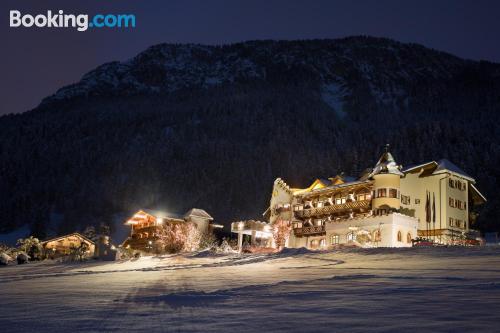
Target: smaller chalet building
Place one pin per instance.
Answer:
(146, 226)
(62, 245)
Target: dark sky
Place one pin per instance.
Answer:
(36, 62)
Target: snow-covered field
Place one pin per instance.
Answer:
(377, 290)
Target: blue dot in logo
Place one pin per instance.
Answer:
(91, 24)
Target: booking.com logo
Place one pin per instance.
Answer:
(81, 21)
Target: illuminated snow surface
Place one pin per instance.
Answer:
(425, 289)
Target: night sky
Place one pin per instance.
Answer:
(36, 62)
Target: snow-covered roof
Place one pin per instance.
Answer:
(441, 166)
(77, 234)
(386, 165)
(162, 214)
(198, 213)
(445, 164)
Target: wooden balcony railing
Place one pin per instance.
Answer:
(333, 209)
(308, 231)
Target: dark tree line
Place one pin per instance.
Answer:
(94, 158)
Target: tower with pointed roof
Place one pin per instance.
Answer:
(386, 177)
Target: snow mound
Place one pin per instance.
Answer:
(5, 259)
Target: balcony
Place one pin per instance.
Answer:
(309, 231)
(327, 210)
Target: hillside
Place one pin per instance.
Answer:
(180, 126)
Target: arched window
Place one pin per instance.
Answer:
(400, 236)
(322, 243)
(335, 239)
(351, 237)
(314, 243)
(377, 237)
(408, 238)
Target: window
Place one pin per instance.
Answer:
(408, 238)
(351, 237)
(314, 243)
(377, 237)
(381, 193)
(451, 222)
(400, 236)
(417, 201)
(451, 183)
(338, 201)
(298, 207)
(393, 193)
(322, 243)
(361, 197)
(405, 199)
(335, 239)
(451, 202)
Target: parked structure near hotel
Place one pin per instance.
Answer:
(388, 206)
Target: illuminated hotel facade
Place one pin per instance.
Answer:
(388, 206)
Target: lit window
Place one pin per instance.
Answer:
(335, 239)
(322, 243)
(351, 237)
(381, 193)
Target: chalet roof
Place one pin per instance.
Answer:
(434, 168)
(198, 213)
(444, 164)
(162, 214)
(476, 196)
(68, 235)
(386, 165)
(335, 187)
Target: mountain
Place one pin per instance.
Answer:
(181, 126)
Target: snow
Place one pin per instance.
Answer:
(348, 290)
(333, 95)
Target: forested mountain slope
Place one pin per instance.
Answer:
(181, 126)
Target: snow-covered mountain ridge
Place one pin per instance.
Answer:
(386, 67)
